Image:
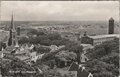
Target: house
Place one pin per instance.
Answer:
(10, 48)
(6, 55)
(73, 69)
(52, 53)
(24, 58)
(79, 70)
(83, 57)
(82, 72)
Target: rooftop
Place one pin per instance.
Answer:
(73, 67)
(104, 36)
(23, 58)
(87, 46)
(9, 48)
(111, 19)
(80, 69)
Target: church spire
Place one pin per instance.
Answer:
(12, 24)
(12, 38)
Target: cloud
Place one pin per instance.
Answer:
(60, 10)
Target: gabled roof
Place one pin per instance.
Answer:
(49, 54)
(81, 71)
(73, 67)
(23, 58)
(10, 48)
(105, 36)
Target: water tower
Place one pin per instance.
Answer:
(111, 26)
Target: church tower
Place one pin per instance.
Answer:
(111, 26)
(12, 39)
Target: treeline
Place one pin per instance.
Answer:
(104, 59)
(40, 37)
(44, 38)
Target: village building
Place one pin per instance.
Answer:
(98, 39)
(79, 70)
(9, 38)
(75, 70)
(85, 48)
(12, 49)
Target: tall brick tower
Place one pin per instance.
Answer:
(111, 26)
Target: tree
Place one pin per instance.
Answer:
(54, 36)
(32, 31)
(104, 59)
(76, 48)
(35, 32)
(16, 65)
(46, 42)
(65, 57)
(23, 40)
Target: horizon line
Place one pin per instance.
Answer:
(59, 20)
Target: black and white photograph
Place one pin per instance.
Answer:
(59, 38)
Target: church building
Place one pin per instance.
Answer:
(12, 37)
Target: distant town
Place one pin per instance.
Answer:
(67, 49)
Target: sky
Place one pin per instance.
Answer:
(60, 10)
